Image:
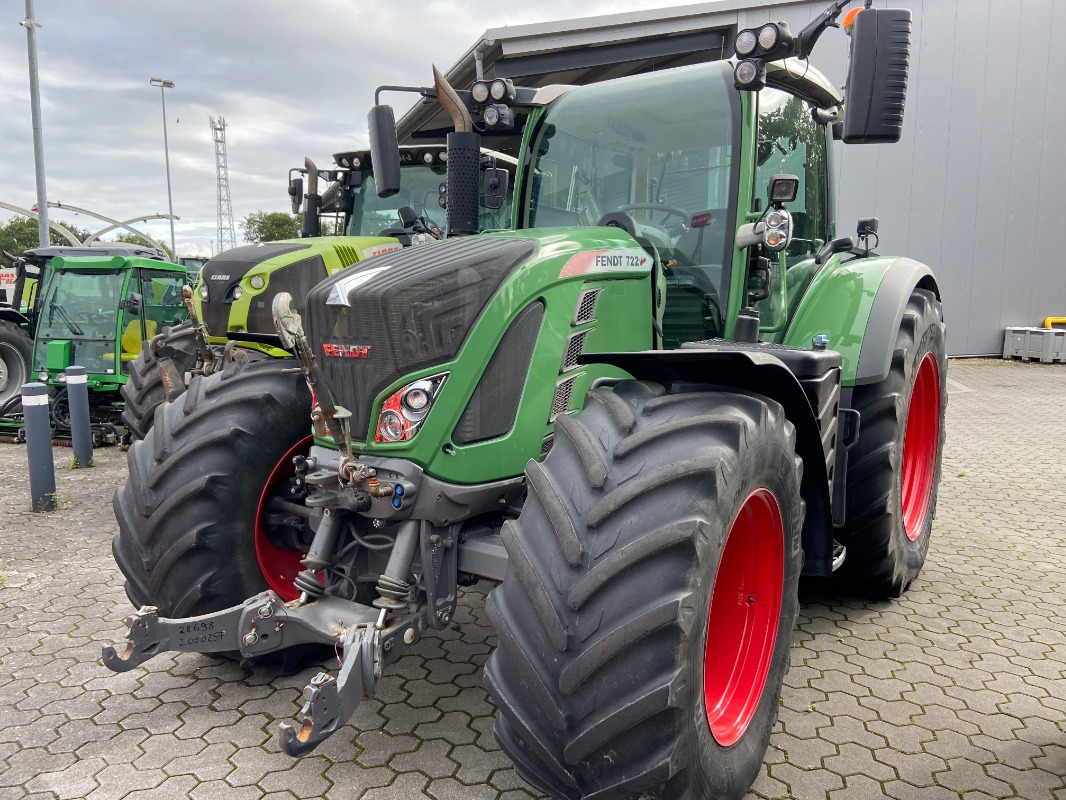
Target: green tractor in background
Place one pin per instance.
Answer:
(92, 309)
(232, 299)
(647, 411)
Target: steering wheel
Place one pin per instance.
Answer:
(668, 211)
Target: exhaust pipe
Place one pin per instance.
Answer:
(464, 161)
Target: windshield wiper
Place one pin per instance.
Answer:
(74, 327)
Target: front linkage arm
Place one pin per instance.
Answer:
(265, 624)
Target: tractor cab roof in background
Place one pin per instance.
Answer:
(117, 262)
(588, 50)
(40, 254)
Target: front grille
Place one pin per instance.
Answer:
(561, 401)
(586, 307)
(575, 346)
(493, 406)
(296, 279)
(410, 309)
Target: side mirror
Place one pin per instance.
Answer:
(496, 183)
(134, 303)
(296, 193)
(384, 150)
(877, 76)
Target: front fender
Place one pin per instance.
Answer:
(859, 304)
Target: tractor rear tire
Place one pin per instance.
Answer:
(16, 356)
(191, 535)
(646, 613)
(894, 468)
(143, 391)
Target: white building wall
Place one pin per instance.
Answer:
(972, 189)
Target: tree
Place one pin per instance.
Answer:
(269, 226)
(20, 234)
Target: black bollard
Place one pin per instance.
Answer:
(39, 447)
(81, 437)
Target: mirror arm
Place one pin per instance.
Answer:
(809, 36)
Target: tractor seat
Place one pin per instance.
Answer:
(131, 338)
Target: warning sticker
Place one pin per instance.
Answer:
(631, 259)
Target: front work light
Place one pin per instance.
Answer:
(750, 75)
(502, 91)
(203, 290)
(745, 43)
(480, 92)
(498, 117)
(769, 36)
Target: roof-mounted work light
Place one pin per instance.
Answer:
(502, 90)
(750, 75)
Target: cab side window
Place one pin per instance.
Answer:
(791, 142)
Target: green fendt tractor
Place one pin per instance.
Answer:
(233, 296)
(647, 412)
(94, 311)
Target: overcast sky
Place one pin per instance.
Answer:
(291, 78)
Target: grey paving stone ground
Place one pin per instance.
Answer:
(957, 691)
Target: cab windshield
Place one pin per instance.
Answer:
(420, 188)
(82, 307)
(662, 148)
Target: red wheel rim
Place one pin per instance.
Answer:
(279, 567)
(744, 614)
(920, 443)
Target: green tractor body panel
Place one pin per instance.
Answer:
(84, 316)
(538, 375)
(240, 284)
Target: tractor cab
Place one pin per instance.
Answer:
(353, 194)
(96, 311)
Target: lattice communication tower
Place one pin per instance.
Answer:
(227, 239)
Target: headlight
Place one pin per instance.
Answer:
(203, 290)
(404, 411)
(238, 292)
(42, 376)
(745, 43)
(257, 281)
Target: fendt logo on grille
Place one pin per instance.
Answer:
(346, 350)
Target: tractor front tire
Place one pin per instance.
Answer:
(143, 391)
(645, 617)
(192, 536)
(16, 350)
(894, 468)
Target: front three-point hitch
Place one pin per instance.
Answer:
(367, 640)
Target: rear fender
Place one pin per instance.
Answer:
(859, 304)
(763, 374)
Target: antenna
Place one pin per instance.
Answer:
(227, 239)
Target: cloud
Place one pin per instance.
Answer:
(291, 79)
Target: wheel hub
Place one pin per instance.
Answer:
(743, 619)
(278, 565)
(920, 444)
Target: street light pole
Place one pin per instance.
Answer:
(163, 85)
(31, 27)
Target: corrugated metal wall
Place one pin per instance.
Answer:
(973, 188)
